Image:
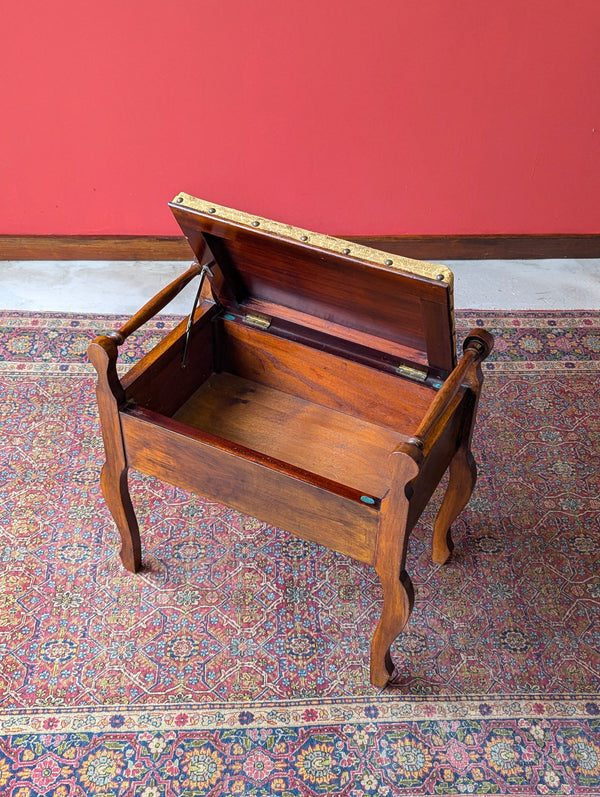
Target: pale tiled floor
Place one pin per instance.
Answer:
(123, 287)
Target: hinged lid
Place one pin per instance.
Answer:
(386, 302)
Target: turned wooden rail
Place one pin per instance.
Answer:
(155, 305)
(476, 347)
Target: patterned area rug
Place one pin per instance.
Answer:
(236, 662)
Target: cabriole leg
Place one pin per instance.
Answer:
(463, 476)
(113, 478)
(392, 543)
(398, 600)
(463, 470)
(116, 494)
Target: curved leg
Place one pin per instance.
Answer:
(463, 470)
(116, 494)
(113, 478)
(398, 600)
(392, 542)
(463, 476)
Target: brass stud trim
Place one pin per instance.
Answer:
(325, 242)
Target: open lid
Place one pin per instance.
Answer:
(390, 303)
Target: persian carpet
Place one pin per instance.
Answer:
(236, 662)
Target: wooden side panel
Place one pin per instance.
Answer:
(158, 381)
(262, 492)
(323, 378)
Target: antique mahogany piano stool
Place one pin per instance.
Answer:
(314, 386)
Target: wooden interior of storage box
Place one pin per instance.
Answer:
(311, 409)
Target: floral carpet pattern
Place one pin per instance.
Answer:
(236, 662)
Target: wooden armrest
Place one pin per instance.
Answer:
(477, 346)
(155, 305)
(103, 351)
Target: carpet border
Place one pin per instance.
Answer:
(376, 710)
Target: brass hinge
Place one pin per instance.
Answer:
(412, 373)
(258, 320)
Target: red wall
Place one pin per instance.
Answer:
(345, 116)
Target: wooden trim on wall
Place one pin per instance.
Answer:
(487, 247)
(94, 247)
(421, 247)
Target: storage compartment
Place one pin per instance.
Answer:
(290, 429)
(293, 403)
